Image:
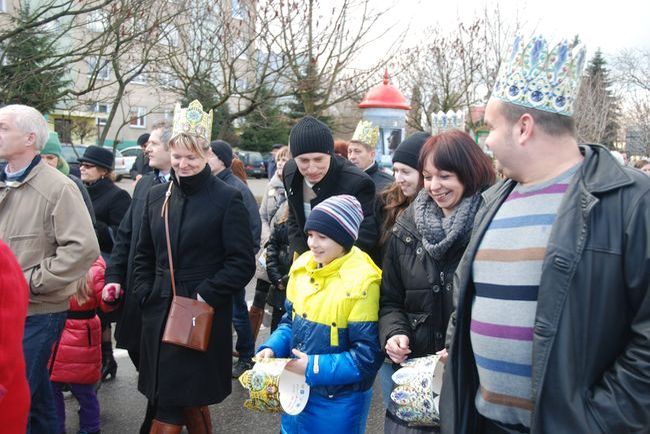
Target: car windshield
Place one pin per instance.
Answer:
(71, 154)
(255, 158)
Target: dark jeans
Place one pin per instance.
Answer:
(88, 406)
(245, 345)
(41, 332)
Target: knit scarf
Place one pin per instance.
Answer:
(440, 233)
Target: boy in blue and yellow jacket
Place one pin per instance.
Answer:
(331, 322)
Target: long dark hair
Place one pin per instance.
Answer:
(394, 202)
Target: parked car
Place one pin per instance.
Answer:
(253, 163)
(71, 155)
(121, 168)
(130, 154)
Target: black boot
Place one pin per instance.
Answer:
(109, 365)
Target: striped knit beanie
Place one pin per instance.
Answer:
(337, 217)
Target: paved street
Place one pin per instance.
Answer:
(122, 406)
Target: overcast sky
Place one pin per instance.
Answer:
(610, 25)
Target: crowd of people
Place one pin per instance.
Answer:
(528, 276)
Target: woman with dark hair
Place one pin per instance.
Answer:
(424, 250)
(238, 169)
(110, 203)
(341, 148)
(397, 197)
(390, 204)
(211, 249)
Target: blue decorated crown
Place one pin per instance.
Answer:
(532, 75)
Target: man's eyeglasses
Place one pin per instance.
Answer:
(87, 166)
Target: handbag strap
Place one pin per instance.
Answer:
(165, 215)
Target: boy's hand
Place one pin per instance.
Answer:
(299, 365)
(266, 353)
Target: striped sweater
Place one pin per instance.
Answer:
(507, 272)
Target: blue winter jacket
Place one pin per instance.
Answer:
(332, 316)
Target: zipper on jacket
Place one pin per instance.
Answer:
(90, 341)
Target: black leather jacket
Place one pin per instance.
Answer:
(591, 344)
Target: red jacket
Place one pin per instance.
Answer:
(77, 358)
(14, 390)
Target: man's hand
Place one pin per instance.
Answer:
(299, 365)
(397, 348)
(111, 292)
(266, 353)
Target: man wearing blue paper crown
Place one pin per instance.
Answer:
(553, 304)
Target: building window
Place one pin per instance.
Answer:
(137, 117)
(104, 71)
(96, 21)
(103, 109)
(168, 115)
(140, 79)
(3, 8)
(237, 10)
(64, 128)
(167, 78)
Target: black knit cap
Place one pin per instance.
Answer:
(223, 151)
(98, 156)
(310, 135)
(143, 139)
(408, 152)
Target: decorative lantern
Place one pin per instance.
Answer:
(385, 106)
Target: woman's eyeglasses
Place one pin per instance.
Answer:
(87, 166)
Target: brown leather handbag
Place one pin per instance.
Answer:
(189, 321)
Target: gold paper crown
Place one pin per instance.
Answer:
(366, 133)
(192, 120)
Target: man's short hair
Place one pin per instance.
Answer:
(553, 124)
(29, 120)
(166, 135)
(368, 147)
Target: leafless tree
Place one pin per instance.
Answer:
(443, 73)
(631, 68)
(318, 42)
(591, 109)
(136, 32)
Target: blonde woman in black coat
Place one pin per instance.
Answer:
(212, 254)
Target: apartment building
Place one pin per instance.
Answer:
(140, 59)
